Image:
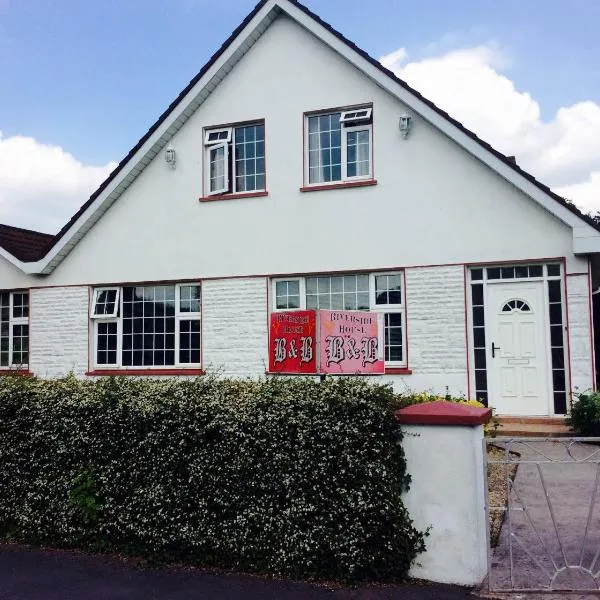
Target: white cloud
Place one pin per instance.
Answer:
(469, 84)
(41, 186)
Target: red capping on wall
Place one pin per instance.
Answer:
(337, 186)
(145, 372)
(443, 412)
(398, 371)
(238, 196)
(16, 373)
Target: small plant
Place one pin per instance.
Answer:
(585, 414)
(83, 496)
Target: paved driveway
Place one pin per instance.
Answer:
(554, 490)
(33, 574)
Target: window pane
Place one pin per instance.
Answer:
(106, 343)
(324, 143)
(287, 294)
(150, 313)
(217, 168)
(388, 289)
(105, 302)
(358, 153)
(189, 342)
(553, 270)
(393, 337)
(189, 298)
(249, 157)
(20, 305)
(20, 348)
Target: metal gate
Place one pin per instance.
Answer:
(543, 514)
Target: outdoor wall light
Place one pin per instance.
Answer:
(405, 124)
(170, 157)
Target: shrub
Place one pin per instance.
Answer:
(585, 414)
(286, 476)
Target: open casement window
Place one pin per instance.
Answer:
(106, 302)
(235, 159)
(375, 292)
(14, 329)
(339, 146)
(154, 326)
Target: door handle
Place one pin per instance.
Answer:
(494, 348)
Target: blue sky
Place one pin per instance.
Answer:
(91, 77)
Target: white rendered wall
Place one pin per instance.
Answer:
(447, 494)
(434, 203)
(234, 326)
(580, 341)
(58, 330)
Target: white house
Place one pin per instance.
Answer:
(295, 171)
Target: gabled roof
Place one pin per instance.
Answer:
(585, 231)
(24, 244)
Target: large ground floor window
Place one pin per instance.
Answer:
(377, 292)
(147, 326)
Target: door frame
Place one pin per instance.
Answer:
(545, 325)
(469, 281)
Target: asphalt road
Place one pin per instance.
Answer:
(34, 574)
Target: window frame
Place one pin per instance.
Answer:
(209, 132)
(97, 292)
(209, 150)
(346, 115)
(373, 307)
(12, 322)
(230, 159)
(118, 319)
(366, 127)
(346, 126)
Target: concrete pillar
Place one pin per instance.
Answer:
(443, 442)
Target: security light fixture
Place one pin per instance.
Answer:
(170, 157)
(405, 124)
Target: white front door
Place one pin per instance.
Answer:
(517, 355)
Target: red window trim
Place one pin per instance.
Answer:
(145, 372)
(15, 373)
(236, 196)
(398, 371)
(337, 186)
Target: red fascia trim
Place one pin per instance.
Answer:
(145, 372)
(442, 412)
(237, 196)
(398, 371)
(15, 373)
(337, 186)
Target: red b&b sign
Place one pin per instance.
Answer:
(293, 342)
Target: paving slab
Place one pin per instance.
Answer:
(44, 574)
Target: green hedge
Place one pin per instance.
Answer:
(289, 477)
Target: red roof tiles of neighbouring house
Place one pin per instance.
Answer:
(25, 244)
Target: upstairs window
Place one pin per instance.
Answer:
(14, 329)
(235, 159)
(339, 146)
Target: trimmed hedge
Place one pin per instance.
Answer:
(289, 477)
